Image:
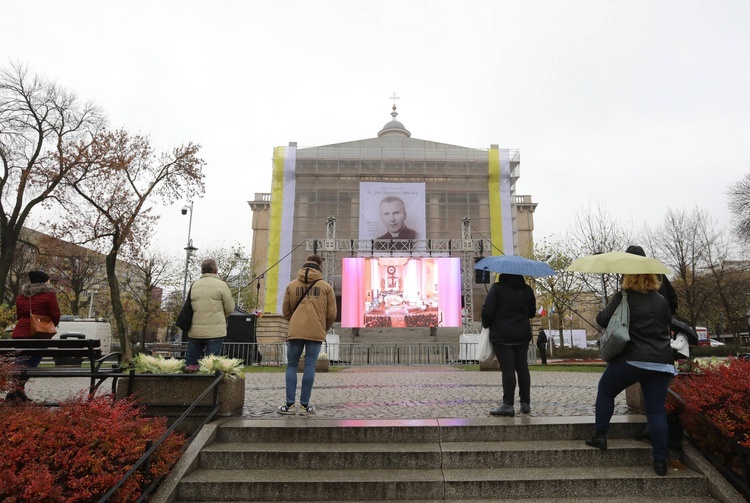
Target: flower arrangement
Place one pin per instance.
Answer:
(322, 356)
(230, 367)
(158, 364)
(700, 365)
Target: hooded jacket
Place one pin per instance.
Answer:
(315, 314)
(41, 299)
(507, 309)
(212, 302)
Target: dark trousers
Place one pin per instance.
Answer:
(543, 354)
(618, 376)
(512, 359)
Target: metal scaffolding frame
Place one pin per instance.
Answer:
(465, 248)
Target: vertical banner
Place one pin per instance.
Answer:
(280, 239)
(501, 219)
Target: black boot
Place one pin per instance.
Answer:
(598, 440)
(660, 467)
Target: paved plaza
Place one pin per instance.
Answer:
(379, 392)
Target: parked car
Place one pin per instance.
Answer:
(715, 343)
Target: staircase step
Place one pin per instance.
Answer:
(600, 499)
(378, 485)
(542, 453)
(370, 456)
(310, 485)
(311, 430)
(455, 455)
(569, 482)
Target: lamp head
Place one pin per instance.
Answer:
(185, 209)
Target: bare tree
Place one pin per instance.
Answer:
(739, 205)
(596, 230)
(152, 273)
(39, 123)
(681, 243)
(562, 292)
(122, 181)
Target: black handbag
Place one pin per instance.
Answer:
(185, 318)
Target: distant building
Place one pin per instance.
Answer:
(440, 185)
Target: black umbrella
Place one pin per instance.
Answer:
(681, 326)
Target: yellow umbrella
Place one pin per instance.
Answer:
(617, 262)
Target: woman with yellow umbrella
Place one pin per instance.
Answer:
(646, 358)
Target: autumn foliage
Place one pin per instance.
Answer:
(78, 451)
(715, 408)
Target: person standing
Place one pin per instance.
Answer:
(507, 311)
(541, 344)
(37, 296)
(647, 359)
(310, 307)
(212, 302)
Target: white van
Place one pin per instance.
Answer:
(90, 328)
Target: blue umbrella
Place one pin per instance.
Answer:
(514, 264)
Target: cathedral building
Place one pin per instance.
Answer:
(387, 213)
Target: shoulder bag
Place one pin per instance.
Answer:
(185, 318)
(617, 333)
(40, 326)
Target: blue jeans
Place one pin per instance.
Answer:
(197, 347)
(512, 359)
(293, 353)
(618, 376)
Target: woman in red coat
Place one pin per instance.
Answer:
(37, 297)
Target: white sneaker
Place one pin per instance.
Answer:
(287, 410)
(304, 410)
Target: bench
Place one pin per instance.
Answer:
(170, 349)
(96, 367)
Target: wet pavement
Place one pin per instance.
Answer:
(379, 392)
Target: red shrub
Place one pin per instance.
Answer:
(722, 393)
(76, 452)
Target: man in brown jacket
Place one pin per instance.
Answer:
(310, 306)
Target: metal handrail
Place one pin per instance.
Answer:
(151, 447)
(740, 481)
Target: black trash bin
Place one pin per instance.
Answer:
(70, 360)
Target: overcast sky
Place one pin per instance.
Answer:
(640, 105)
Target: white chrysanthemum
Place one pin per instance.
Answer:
(158, 364)
(230, 367)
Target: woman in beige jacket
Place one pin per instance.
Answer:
(212, 302)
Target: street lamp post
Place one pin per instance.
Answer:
(189, 249)
(91, 301)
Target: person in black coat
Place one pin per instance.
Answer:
(646, 359)
(541, 344)
(507, 310)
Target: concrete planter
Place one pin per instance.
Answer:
(320, 365)
(180, 390)
(634, 398)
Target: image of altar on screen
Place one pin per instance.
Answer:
(401, 292)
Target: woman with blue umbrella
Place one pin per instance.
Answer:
(507, 311)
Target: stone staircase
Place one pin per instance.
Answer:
(470, 460)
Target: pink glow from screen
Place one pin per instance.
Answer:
(395, 292)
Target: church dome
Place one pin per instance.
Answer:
(394, 127)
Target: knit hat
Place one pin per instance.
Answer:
(38, 276)
(635, 250)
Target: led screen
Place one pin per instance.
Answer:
(401, 292)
